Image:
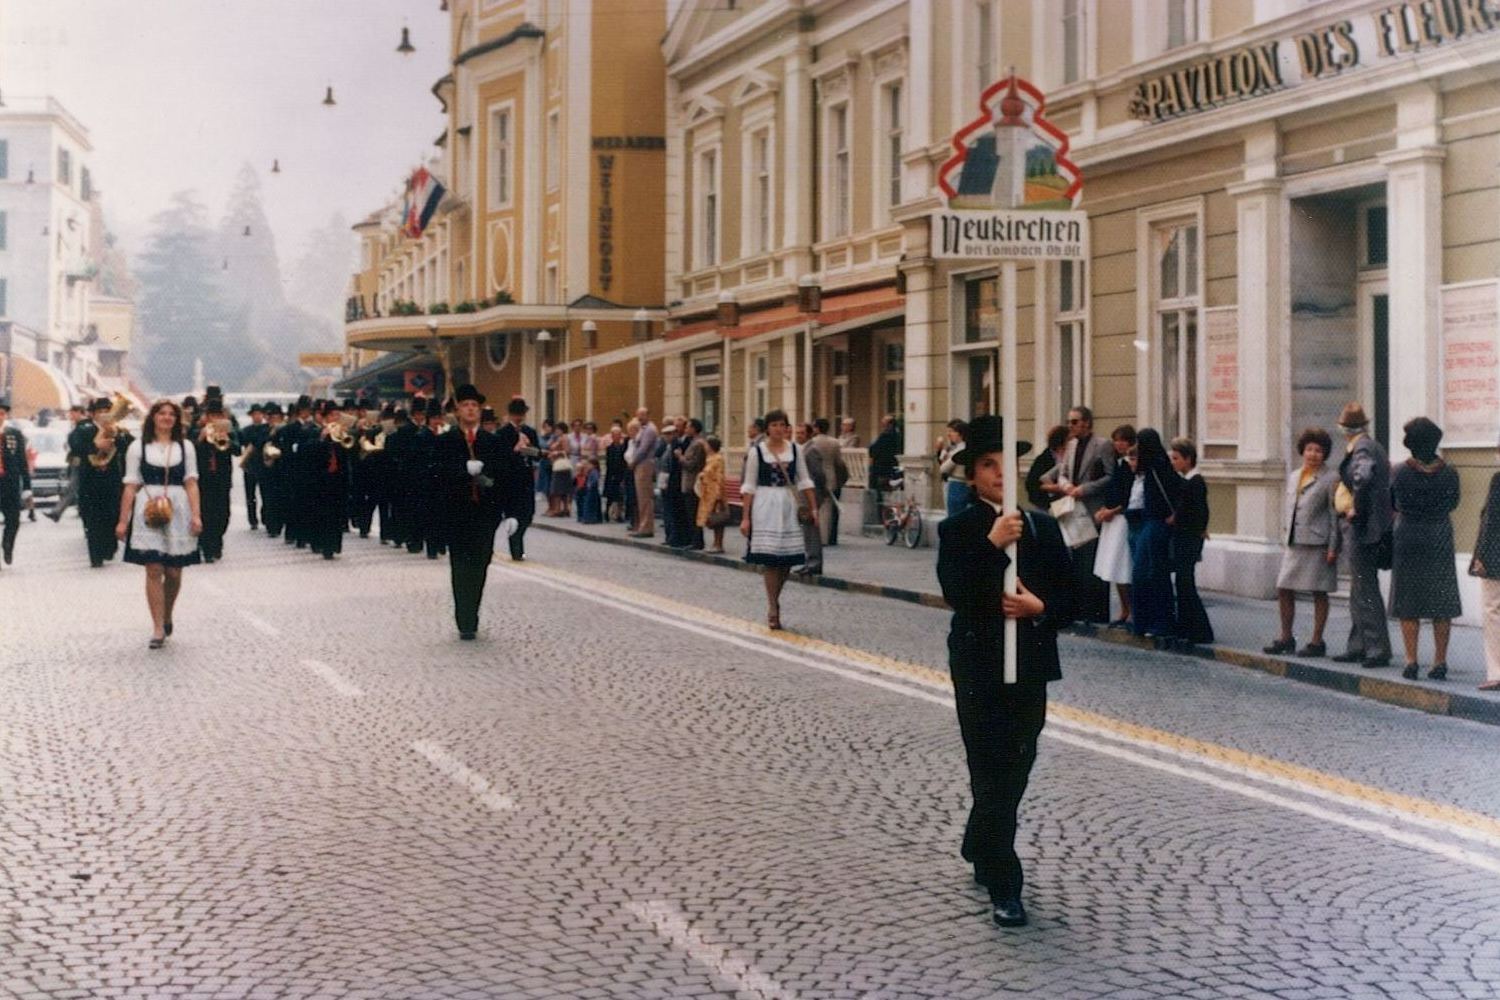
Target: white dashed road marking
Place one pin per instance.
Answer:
(460, 774)
(333, 678)
(673, 925)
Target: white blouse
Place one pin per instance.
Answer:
(164, 455)
(752, 467)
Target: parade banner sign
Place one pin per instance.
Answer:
(1471, 364)
(1010, 187)
(329, 360)
(1221, 362)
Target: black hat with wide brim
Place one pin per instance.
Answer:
(986, 434)
(466, 393)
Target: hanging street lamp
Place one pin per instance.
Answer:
(406, 48)
(328, 100)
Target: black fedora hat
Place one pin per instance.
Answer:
(468, 392)
(987, 434)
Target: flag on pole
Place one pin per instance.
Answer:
(423, 193)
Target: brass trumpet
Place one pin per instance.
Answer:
(269, 454)
(338, 430)
(105, 439)
(217, 434)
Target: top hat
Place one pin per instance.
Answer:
(102, 403)
(517, 406)
(434, 408)
(986, 434)
(468, 392)
(212, 390)
(487, 415)
(213, 404)
(257, 408)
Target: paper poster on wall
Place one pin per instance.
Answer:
(1221, 372)
(1471, 364)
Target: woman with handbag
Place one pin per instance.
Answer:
(560, 486)
(778, 500)
(1424, 576)
(160, 511)
(713, 509)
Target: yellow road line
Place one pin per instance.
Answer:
(1266, 767)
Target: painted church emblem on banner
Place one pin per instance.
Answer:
(1011, 156)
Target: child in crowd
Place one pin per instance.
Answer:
(588, 498)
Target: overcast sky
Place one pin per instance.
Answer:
(178, 93)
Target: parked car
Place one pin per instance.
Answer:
(50, 446)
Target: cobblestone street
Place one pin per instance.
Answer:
(629, 788)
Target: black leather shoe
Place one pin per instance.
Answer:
(1008, 912)
(1313, 650)
(1409, 672)
(1350, 657)
(1439, 672)
(1377, 661)
(1280, 646)
(466, 636)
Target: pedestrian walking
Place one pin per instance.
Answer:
(836, 474)
(812, 538)
(101, 479)
(1151, 571)
(1486, 565)
(1363, 500)
(1309, 563)
(520, 450)
(1189, 532)
(82, 432)
(713, 510)
(951, 470)
(216, 444)
(1000, 722)
(643, 472)
(15, 482)
(1424, 579)
(885, 454)
(778, 500)
(160, 511)
(467, 464)
(1084, 475)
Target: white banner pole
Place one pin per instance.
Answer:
(1008, 410)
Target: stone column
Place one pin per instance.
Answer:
(797, 187)
(926, 411)
(1414, 218)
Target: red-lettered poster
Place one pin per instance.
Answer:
(1471, 364)
(1221, 370)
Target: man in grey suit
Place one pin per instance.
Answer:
(1084, 474)
(812, 540)
(644, 471)
(694, 457)
(1363, 499)
(835, 475)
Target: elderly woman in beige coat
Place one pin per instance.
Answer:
(710, 489)
(1310, 562)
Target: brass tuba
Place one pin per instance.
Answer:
(104, 440)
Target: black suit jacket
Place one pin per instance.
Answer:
(463, 505)
(517, 472)
(971, 571)
(1192, 520)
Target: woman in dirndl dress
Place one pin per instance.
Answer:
(775, 484)
(161, 463)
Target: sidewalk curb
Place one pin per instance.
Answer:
(1399, 693)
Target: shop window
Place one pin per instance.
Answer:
(85, 184)
(981, 372)
(981, 310)
(838, 364)
(64, 167)
(1176, 319)
(554, 149)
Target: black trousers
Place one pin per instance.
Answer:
(1192, 617)
(522, 507)
(10, 508)
(214, 500)
(1093, 593)
(100, 512)
(1000, 725)
(470, 548)
(252, 484)
(273, 502)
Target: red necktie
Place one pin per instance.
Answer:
(333, 457)
(473, 485)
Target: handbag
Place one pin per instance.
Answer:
(562, 465)
(804, 512)
(719, 516)
(158, 510)
(1073, 521)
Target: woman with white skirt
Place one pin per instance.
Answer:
(1113, 560)
(161, 471)
(775, 485)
